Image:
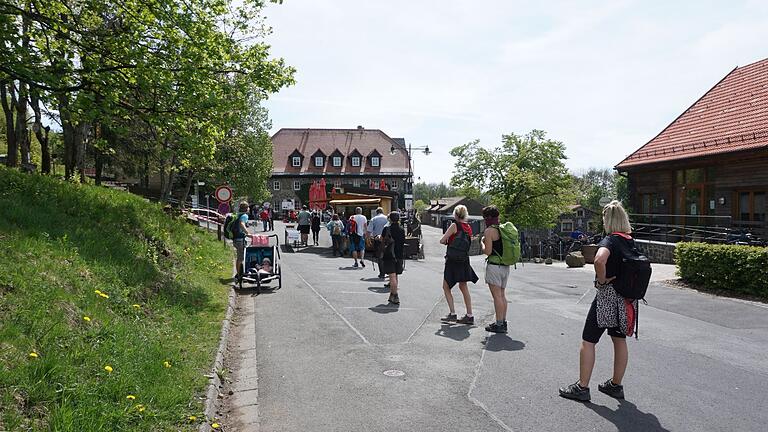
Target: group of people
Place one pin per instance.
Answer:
(608, 312)
(264, 214)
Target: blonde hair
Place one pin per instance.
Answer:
(615, 218)
(460, 212)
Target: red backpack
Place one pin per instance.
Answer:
(352, 226)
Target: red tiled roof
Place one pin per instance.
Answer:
(309, 141)
(731, 117)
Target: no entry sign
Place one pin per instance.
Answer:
(223, 194)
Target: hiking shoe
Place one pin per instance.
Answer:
(611, 389)
(355, 264)
(449, 318)
(496, 328)
(394, 299)
(575, 392)
(466, 319)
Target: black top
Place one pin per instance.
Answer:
(497, 246)
(315, 222)
(615, 244)
(396, 247)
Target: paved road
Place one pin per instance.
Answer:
(321, 346)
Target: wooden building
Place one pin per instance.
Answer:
(710, 165)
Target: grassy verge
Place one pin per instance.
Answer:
(110, 310)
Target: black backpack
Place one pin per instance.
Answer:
(458, 250)
(634, 272)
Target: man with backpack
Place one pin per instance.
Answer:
(358, 226)
(621, 279)
(236, 229)
(375, 228)
(501, 243)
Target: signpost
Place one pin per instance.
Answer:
(223, 194)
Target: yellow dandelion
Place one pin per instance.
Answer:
(87, 319)
(137, 306)
(108, 368)
(33, 355)
(166, 364)
(140, 408)
(131, 397)
(97, 292)
(192, 418)
(215, 425)
(103, 295)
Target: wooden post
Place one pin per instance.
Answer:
(218, 231)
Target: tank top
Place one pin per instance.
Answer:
(464, 226)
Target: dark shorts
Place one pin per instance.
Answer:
(304, 229)
(389, 266)
(592, 332)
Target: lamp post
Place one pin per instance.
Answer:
(409, 181)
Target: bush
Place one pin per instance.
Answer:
(741, 269)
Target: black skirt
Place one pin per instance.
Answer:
(458, 271)
(389, 266)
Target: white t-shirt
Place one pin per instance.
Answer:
(361, 221)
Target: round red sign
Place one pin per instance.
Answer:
(223, 194)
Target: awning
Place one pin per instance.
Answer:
(355, 201)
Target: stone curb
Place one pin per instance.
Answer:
(212, 393)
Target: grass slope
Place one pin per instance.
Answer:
(130, 358)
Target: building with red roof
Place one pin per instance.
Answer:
(711, 163)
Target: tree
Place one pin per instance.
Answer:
(525, 177)
(594, 184)
(419, 206)
(430, 191)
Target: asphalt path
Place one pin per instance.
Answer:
(327, 342)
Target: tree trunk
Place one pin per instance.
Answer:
(99, 162)
(187, 187)
(41, 132)
(82, 145)
(165, 192)
(22, 132)
(6, 91)
(68, 132)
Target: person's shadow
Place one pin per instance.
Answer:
(380, 290)
(501, 342)
(457, 332)
(385, 308)
(627, 418)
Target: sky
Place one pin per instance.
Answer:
(603, 77)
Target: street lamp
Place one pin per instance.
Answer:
(409, 184)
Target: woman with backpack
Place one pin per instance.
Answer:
(457, 269)
(391, 260)
(315, 225)
(336, 228)
(496, 272)
(609, 311)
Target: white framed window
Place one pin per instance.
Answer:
(375, 161)
(318, 161)
(355, 161)
(566, 226)
(296, 205)
(580, 213)
(337, 161)
(337, 183)
(296, 161)
(356, 182)
(296, 185)
(276, 185)
(393, 186)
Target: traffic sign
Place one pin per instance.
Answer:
(223, 193)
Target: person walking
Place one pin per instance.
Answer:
(496, 273)
(303, 220)
(264, 216)
(238, 237)
(609, 311)
(358, 226)
(271, 220)
(315, 224)
(457, 266)
(336, 229)
(375, 228)
(391, 261)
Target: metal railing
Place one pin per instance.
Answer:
(671, 228)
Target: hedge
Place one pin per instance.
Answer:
(741, 269)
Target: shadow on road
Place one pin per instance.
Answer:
(228, 281)
(456, 332)
(379, 289)
(385, 308)
(373, 279)
(501, 342)
(627, 418)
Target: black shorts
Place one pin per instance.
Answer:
(592, 332)
(304, 229)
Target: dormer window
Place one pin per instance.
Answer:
(375, 161)
(296, 158)
(296, 161)
(355, 161)
(337, 161)
(318, 161)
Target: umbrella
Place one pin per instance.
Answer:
(383, 186)
(321, 194)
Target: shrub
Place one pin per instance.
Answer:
(742, 269)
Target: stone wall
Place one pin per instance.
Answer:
(657, 252)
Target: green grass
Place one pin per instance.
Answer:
(59, 244)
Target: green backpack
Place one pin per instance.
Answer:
(510, 239)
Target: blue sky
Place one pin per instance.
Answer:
(602, 77)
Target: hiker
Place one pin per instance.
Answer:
(315, 224)
(391, 261)
(375, 228)
(457, 267)
(609, 311)
(336, 229)
(264, 216)
(238, 237)
(303, 220)
(497, 265)
(357, 227)
(271, 219)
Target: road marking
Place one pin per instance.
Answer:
(360, 292)
(379, 307)
(584, 295)
(424, 320)
(334, 310)
(475, 401)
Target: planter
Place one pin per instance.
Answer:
(589, 252)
